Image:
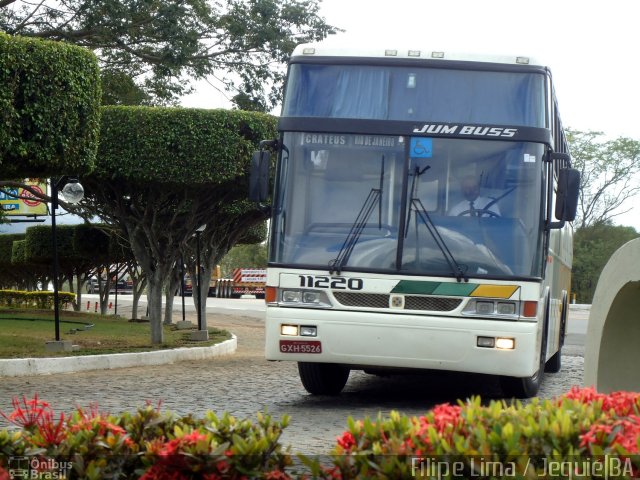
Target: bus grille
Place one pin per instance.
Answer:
(367, 300)
(412, 302)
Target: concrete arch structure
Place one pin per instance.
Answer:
(612, 354)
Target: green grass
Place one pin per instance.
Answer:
(23, 333)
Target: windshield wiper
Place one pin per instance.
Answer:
(374, 198)
(421, 212)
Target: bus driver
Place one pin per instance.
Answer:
(474, 205)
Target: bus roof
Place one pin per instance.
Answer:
(330, 50)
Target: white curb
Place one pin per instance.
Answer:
(20, 367)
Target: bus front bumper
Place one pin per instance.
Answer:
(365, 339)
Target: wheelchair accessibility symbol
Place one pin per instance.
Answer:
(421, 147)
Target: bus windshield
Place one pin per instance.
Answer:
(481, 197)
(407, 93)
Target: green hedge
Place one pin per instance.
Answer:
(178, 145)
(6, 248)
(49, 108)
(37, 299)
(9, 274)
(39, 245)
(18, 253)
(97, 243)
(582, 434)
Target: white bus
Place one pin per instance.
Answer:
(419, 217)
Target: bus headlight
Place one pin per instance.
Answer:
(488, 307)
(291, 296)
(505, 343)
(289, 330)
(484, 308)
(304, 298)
(506, 308)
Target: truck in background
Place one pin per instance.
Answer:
(243, 281)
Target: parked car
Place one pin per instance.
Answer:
(124, 286)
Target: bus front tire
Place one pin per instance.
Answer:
(323, 378)
(526, 387)
(521, 387)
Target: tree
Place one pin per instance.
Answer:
(247, 256)
(231, 227)
(162, 43)
(107, 255)
(49, 109)
(593, 246)
(32, 274)
(609, 172)
(9, 276)
(118, 88)
(163, 172)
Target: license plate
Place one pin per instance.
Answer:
(300, 346)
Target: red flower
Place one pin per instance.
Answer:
(623, 403)
(190, 439)
(53, 433)
(332, 472)
(211, 476)
(222, 466)
(159, 472)
(347, 441)
(446, 415)
(625, 431)
(29, 414)
(584, 395)
(4, 475)
(276, 475)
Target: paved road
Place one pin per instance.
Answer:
(245, 383)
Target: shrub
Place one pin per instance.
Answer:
(583, 430)
(194, 147)
(49, 108)
(582, 434)
(38, 299)
(146, 444)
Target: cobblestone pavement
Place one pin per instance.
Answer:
(245, 383)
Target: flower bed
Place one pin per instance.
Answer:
(582, 434)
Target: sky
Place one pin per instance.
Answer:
(590, 46)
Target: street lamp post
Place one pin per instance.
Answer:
(202, 333)
(199, 286)
(72, 192)
(184, 319)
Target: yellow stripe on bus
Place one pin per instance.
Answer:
(494, 291)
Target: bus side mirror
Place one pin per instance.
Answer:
(259, 176)
(567, 195)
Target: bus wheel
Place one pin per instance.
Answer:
(522, 387)
(323, 378)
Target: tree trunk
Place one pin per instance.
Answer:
(173, 284)
(154, 299)
(138, 289)
(170, 293)
(77, 304)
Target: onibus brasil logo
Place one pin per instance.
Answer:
(38, 467)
